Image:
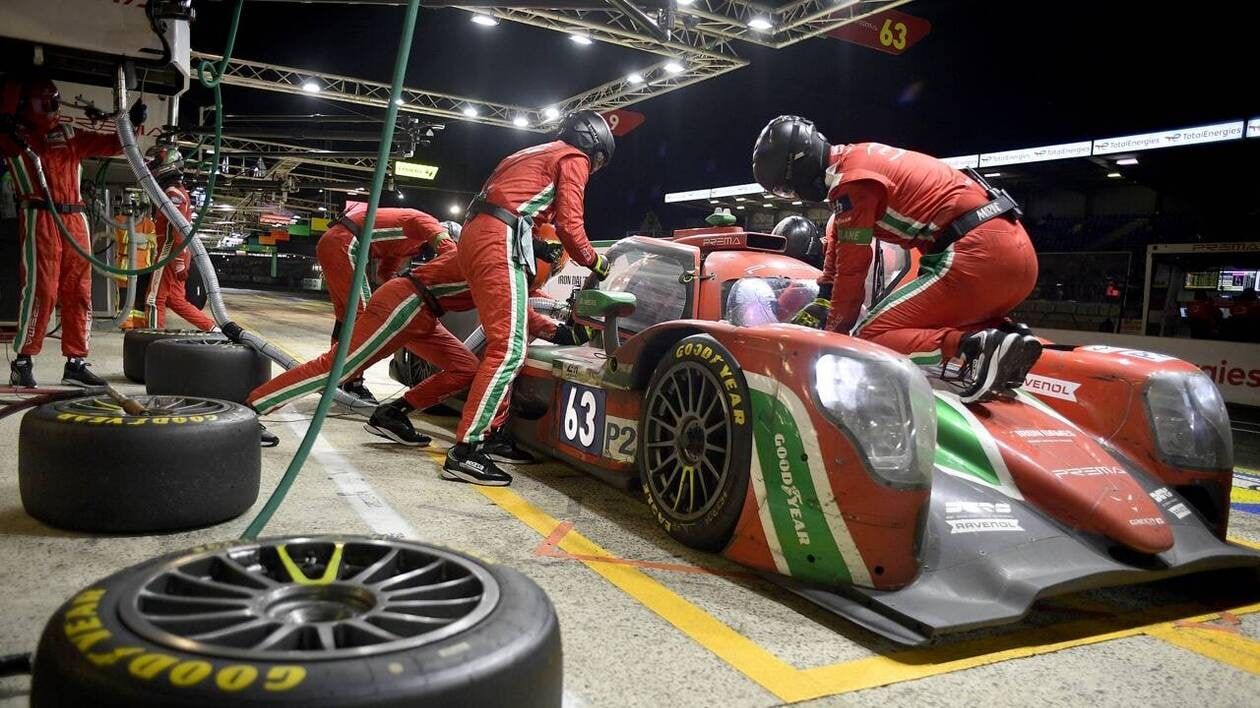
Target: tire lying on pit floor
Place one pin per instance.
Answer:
(344, 621)
(85, 465)
(696, 443)
(136, 342)
(212, 368)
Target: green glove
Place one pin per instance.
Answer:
(814, 314)
(600, 267)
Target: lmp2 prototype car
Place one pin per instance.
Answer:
(847, 474)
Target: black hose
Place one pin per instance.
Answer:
(15, 664)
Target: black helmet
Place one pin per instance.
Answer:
(790, 159)
(804, 239)
(166, 163)
(589, 132)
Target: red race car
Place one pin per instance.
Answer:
(858, 480)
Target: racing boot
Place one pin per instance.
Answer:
(76, 374)
(994, 362)
(469, 463)
(266, 438)
(356, 388)
(1011, 326)
(502, 447)
(390, 422)
(22, 372)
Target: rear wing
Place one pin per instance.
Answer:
(729, 238)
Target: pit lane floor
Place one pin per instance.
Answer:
(646, 621)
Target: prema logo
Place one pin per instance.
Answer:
(1054, 388)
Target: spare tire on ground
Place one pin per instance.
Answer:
(85, 465)
(334, 620)
(136, 343)
(211, 368)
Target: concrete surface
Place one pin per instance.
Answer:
(619, 651)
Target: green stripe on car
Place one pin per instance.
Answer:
(800, 527)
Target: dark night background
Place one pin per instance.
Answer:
(989, 76)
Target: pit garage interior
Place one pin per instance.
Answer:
(590, 599)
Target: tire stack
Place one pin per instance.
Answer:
(208, 368)
(136, 345)
(86, 465)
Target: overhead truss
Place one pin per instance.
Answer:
(701, 46)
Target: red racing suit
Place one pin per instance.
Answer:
(52, 272)
(908, 198)
(167, 286)
(397, 236)
(548, 183)
(397, 316)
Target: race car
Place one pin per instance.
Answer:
(858, 480)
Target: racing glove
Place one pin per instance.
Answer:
(572, 334)
(600, 268)
(138, 113)
(549, 251)
(814, 314)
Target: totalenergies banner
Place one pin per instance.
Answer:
(1235, 367)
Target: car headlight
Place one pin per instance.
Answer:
(1189, 422)
(886, 405)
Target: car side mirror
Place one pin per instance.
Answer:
(601, 309)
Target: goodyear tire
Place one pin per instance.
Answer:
(696, 443)
(210, 368)
(136, 343)
(325, 621)
(85, 465)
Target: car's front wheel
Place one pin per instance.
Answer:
(696, 443)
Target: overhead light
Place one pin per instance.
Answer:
(401, 196)
(323, 208)
(760, 24)
(321, 190)
(713, 201)
(453, 210)
(552, 113)
(310, 86)
(1114, 174)
(673, 67)
(797, 203)
(520, 122)
(580, 39)
(768, 204)
(685, 3)
(635, 78)
(992, 174)
(484, 20)
(1127, 161)
(740, 199)
(740, 208)
(470, 111)
(398, 101)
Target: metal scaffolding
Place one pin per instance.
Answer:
(700, 46)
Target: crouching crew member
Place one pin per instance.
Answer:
(397, 236)
(404, 312)
(977, 265)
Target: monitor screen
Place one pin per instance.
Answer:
(1234, 281)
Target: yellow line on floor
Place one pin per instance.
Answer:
(791, 684)
(746, 656)
(1234, 649)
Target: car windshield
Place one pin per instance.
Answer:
(748, 302)
(654, 276)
